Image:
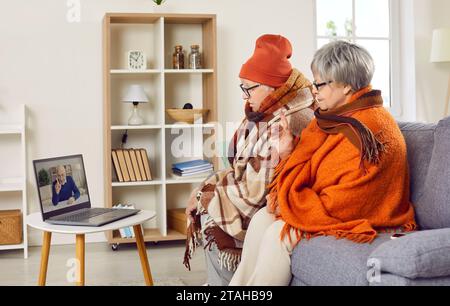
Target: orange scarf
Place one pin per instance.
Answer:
(321, 190)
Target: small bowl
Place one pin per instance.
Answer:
(186, 115)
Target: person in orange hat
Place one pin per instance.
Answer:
(220, 210)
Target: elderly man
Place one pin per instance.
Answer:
(220, 210)
(64, 188)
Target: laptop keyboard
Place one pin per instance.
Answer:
(89, 213)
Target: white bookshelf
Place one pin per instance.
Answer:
(156, 34)
(14, 133)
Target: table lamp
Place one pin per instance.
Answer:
(135, 95)
(440, 53)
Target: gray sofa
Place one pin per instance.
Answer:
(419, 258)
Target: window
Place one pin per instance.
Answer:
(367, 23)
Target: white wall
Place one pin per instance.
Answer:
(431, 78)
(55, 67)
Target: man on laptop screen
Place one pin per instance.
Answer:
(64, 187)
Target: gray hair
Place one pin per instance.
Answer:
(344, 62)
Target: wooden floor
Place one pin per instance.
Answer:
(103, 266)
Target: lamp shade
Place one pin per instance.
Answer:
(135, 94)
(440, 50)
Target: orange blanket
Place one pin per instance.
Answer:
(323, 191)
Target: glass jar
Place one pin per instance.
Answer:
(178, 58)
(195, 61)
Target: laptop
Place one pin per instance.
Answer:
(64, 194)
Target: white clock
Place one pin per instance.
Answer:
(136, 60)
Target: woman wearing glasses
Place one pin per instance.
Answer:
(347, 178)
(222, 207)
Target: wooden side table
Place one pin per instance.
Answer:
(35, 221)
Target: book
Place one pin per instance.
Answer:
(128, 232)
(129, 165)
(200, 174)
(122, 232)
(123, 165)
(193, 164)
(141, 165)
(146, 164)
(131, 229)
(116, 165)
(135, 165)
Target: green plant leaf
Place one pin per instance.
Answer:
(159, 2)
(44, 178)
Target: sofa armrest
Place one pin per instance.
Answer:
(421, 254)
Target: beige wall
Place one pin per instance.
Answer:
(431, 78)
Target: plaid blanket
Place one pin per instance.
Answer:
(232, 196)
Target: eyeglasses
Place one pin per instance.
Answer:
(247, 90)
(317, 86)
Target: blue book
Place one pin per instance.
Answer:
(204, 172)
(191, 164)
(203, 168)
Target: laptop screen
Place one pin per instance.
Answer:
(62, 185)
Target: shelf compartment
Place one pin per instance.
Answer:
(177, 196)
(141, 197)
(150, 112)
(150, 140)
(186, 144)
(143, 36)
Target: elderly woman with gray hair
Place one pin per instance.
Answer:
(347, 177)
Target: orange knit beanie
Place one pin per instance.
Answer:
(269, 64)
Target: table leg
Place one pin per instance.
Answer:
(44, 258)
(143, 255)
(80, 258)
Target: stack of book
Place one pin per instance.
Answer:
(126, 232)
(192, 168)
(131, 165)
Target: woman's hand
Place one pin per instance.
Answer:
(192, 205)
(284, 139)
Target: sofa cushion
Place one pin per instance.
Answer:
(433, 205)
(422, 254)
(419, 139)
(324, 261)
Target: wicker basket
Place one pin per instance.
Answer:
(10, 227)
(186, 115)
